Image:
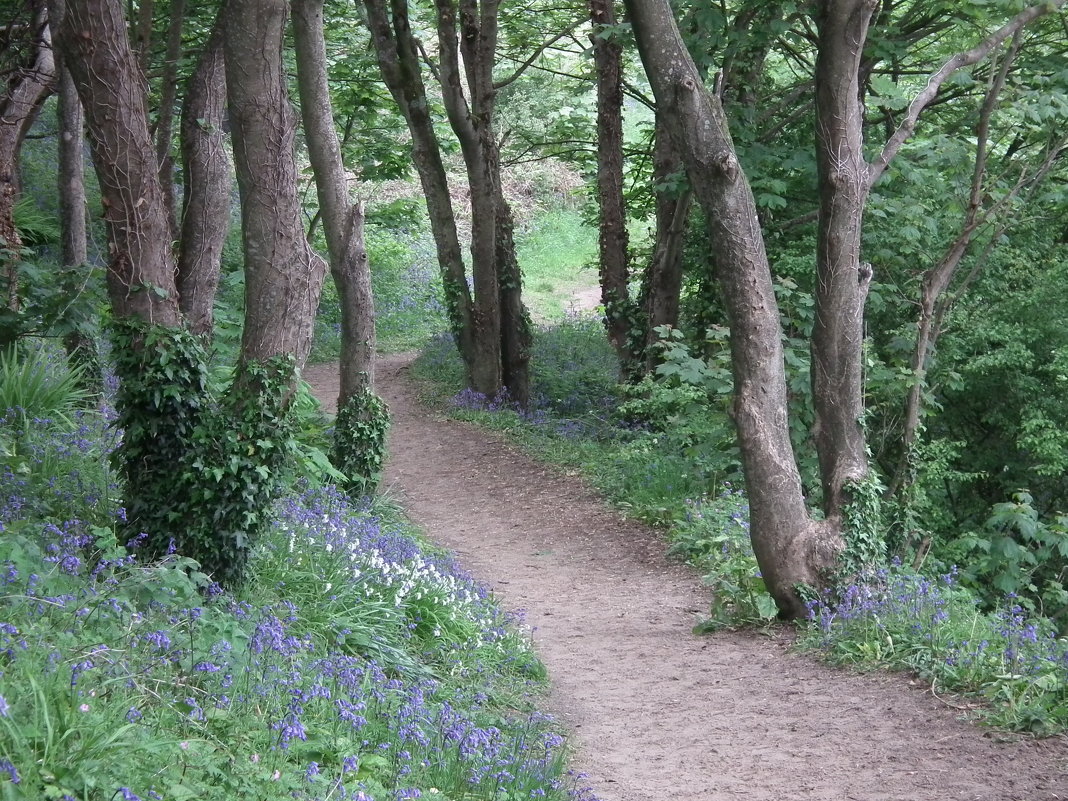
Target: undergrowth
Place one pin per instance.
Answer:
(664, 452)
(356, 662)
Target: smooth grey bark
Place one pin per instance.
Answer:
(205, 219)
(283, 276)
(790, 547)
(25, 90)
(842, 281)
(399, 61)
(341, 218)
(110, 84)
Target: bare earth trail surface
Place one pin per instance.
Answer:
(656, 712)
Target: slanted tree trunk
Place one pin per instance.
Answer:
(841, 280)
(362, 418)
(613, 258)
(399, 61)
(283, 276)
(206, 202)
(791, 549)
(165, 121)
(342, 219)
(110, 84)
(29, 45)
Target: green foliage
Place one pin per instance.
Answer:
(893, 617)
(34, 385)
(360, 441)
(863, 527)
(1018, 553)
(714, 537)
(199, 472)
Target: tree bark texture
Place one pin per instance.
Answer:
(399, 62)
(283, 276)
(342, 219)
(791, 548)
(111, 87)
(613, 259)
(841, 280)
(206, 195)
(662, 282)
(27, 48)
(472, 126)
(71, 125)
(165, 121)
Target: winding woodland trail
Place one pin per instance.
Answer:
(656, 712)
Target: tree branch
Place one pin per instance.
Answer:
(533, 57)
(953, 65)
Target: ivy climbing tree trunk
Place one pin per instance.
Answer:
(206, 189)
(359, 439)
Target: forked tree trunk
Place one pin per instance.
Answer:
(79, 343)
(471, 125)
(206, 201)
(111, 87)
(342, 219)
(283, 276)
(399, 62)
(791, 549)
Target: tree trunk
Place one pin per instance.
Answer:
(398, 59)
(111, 88)
(471, 125)
(342, 220)
(662, 282)
(206, 201)
(791, 549)
(165, 123)
(283, 276)
(71, 124)
(516, 335)
(841, 280)
(79, 343)
(614, 261)
(25, 91)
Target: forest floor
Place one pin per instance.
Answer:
(655, 711)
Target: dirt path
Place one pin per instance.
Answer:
(658, 713)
